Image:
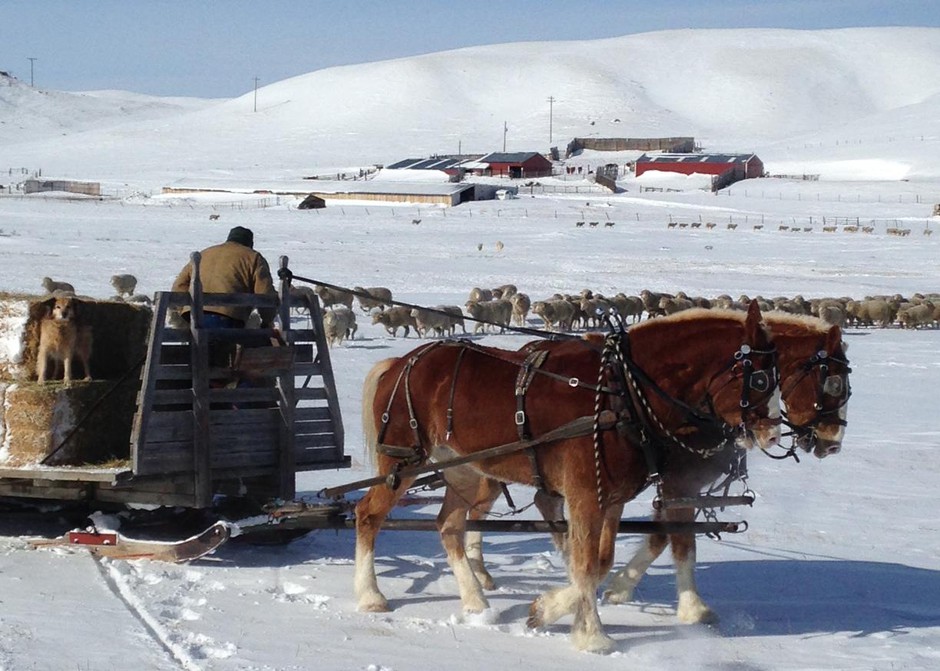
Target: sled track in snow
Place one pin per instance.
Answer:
(151, 624)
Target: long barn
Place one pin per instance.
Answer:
(724, 168)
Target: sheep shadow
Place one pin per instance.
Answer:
(787, 597)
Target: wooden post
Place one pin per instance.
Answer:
(199, 352)
(287, 401)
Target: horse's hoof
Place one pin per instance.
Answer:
(599, 644)
(698, 614)
(374, 606)
(536, 617)
(617, 597)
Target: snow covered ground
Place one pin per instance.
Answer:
(839, 567)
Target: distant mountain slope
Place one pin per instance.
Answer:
(767, 90)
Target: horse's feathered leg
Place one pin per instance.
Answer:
(371, 512)
(459, 497)
(690, 609)
(624, 582)
(487, 493)
(584, 537)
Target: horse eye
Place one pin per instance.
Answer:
(833, 386)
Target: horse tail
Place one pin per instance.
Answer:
(370, 429)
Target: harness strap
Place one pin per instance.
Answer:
(453, 392)
(638, 426)
(524, 378)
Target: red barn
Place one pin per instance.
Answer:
(725, 168)
(516, 165)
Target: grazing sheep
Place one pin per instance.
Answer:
(214, 217)
(521, 304)
(456, 317)
(51, 286)
(378, 297)
(557, 314)
(330, 297)
(499, 245)
(339, 324)
(395, 318)
(124, 284)
(498, 313)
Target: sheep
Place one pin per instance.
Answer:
(651, 302)
(456, 317)
(477, 294)
(124, 284)
(593, 310)
(497, 313)
(330, 297)
(338, 324)
(505, 291)
(557, 314)
(917, 315)
(877, 310)
(628, 306)
(395, 318)
(52, 286)
(521, 304)
(832, 314)
(671, 306)
(378, 297)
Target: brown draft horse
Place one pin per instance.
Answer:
(814, 391)
(697, 372)
(814, 387)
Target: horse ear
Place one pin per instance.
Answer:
(753, 324)
(834, 339)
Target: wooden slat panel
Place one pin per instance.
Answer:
(315, 440)
(308, 369)
(243, 395)
(183, 299)
(311, 394)
(312, 414)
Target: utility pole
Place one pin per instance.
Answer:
(505, 128)
(256, 95)
(551, 102)
(31, 61)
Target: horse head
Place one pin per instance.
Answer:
(815, 388)
(756, 366)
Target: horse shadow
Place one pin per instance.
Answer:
(806, 597)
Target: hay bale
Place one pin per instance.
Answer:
(35, 418)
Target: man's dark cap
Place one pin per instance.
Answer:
(242, 236)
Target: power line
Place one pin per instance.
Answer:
(551, 102)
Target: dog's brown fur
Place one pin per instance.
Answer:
(63, 337)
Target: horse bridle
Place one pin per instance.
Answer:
(828, 385)
(762, 380)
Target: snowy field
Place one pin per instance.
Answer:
(838, 570)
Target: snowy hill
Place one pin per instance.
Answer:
(791, 96)
(31, 113)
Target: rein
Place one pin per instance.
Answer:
(285, 273)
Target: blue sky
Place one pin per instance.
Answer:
(215, 48)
